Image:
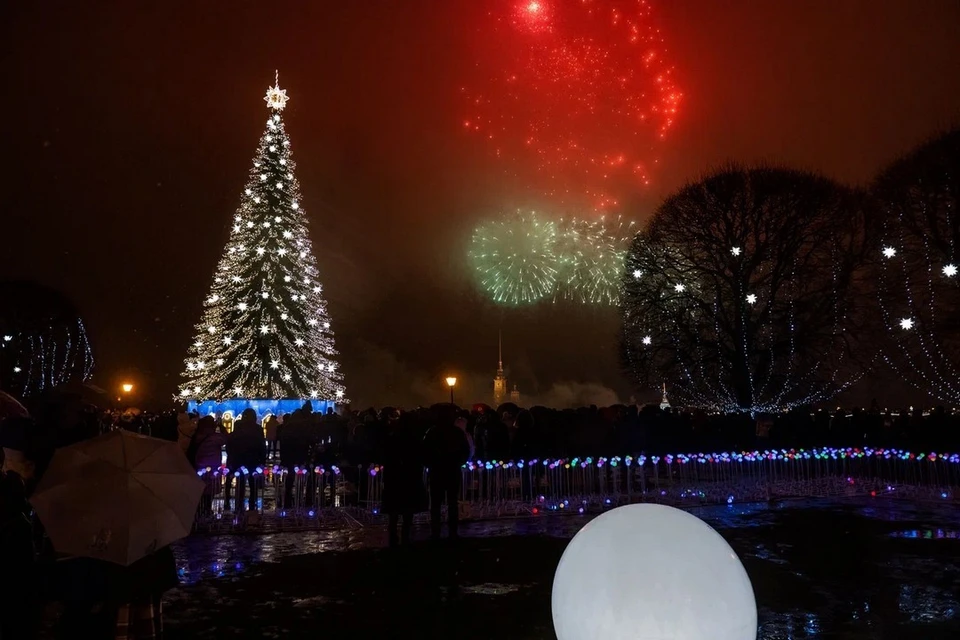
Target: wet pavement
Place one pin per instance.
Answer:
(820, 569)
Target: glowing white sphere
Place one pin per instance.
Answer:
(651, 572)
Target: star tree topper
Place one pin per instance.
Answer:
(276, 97)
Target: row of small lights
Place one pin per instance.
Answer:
(782, 455)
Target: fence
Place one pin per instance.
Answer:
(274, 497)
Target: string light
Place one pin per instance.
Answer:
(917, 288)
(290, 334)
(759, 335)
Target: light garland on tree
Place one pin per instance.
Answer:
(917, 285)
(745, 308)
(265, 331)
(40, 351)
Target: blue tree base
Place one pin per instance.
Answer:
(263, 406)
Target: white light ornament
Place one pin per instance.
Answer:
(950, 270)
(751, 298)
(17, 369)
(339, 393)
(637, 273)
(651, 571)
(7, 338)
(679, 288)
(264, 329)
(274, 364)
(647, 340)
(736, 251)
(889, 252)
(211, 329)
(906, 324)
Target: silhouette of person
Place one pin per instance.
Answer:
(446, 450)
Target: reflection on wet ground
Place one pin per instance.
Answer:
(820, 569)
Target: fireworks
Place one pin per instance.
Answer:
(515, 258)
(592, 258)
(524, 259)
(577, 93)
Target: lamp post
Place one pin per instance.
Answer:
(451, 382)
(125, 389)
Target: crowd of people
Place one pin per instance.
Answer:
(96, 597)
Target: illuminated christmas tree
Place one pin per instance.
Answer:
(265, 334)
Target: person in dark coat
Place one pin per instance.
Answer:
(246, 449)
(19, 606)
(403, 490)
(446, 450)
(297, 444)
(106, 600)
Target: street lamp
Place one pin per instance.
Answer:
(451, 382)
(127, 387)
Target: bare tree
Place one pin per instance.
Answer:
(917, 263)
(744, 290)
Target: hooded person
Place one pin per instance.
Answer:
(186, 427)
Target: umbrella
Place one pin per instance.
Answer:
(10, 407)
(118, 497)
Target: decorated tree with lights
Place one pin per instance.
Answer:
(744, 291)
(918, 258)
(265, 331)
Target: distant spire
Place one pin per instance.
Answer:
(499, 348)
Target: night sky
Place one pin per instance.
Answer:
(131, 128)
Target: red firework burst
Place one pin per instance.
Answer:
(579, 91)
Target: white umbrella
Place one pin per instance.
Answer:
(118, 497)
